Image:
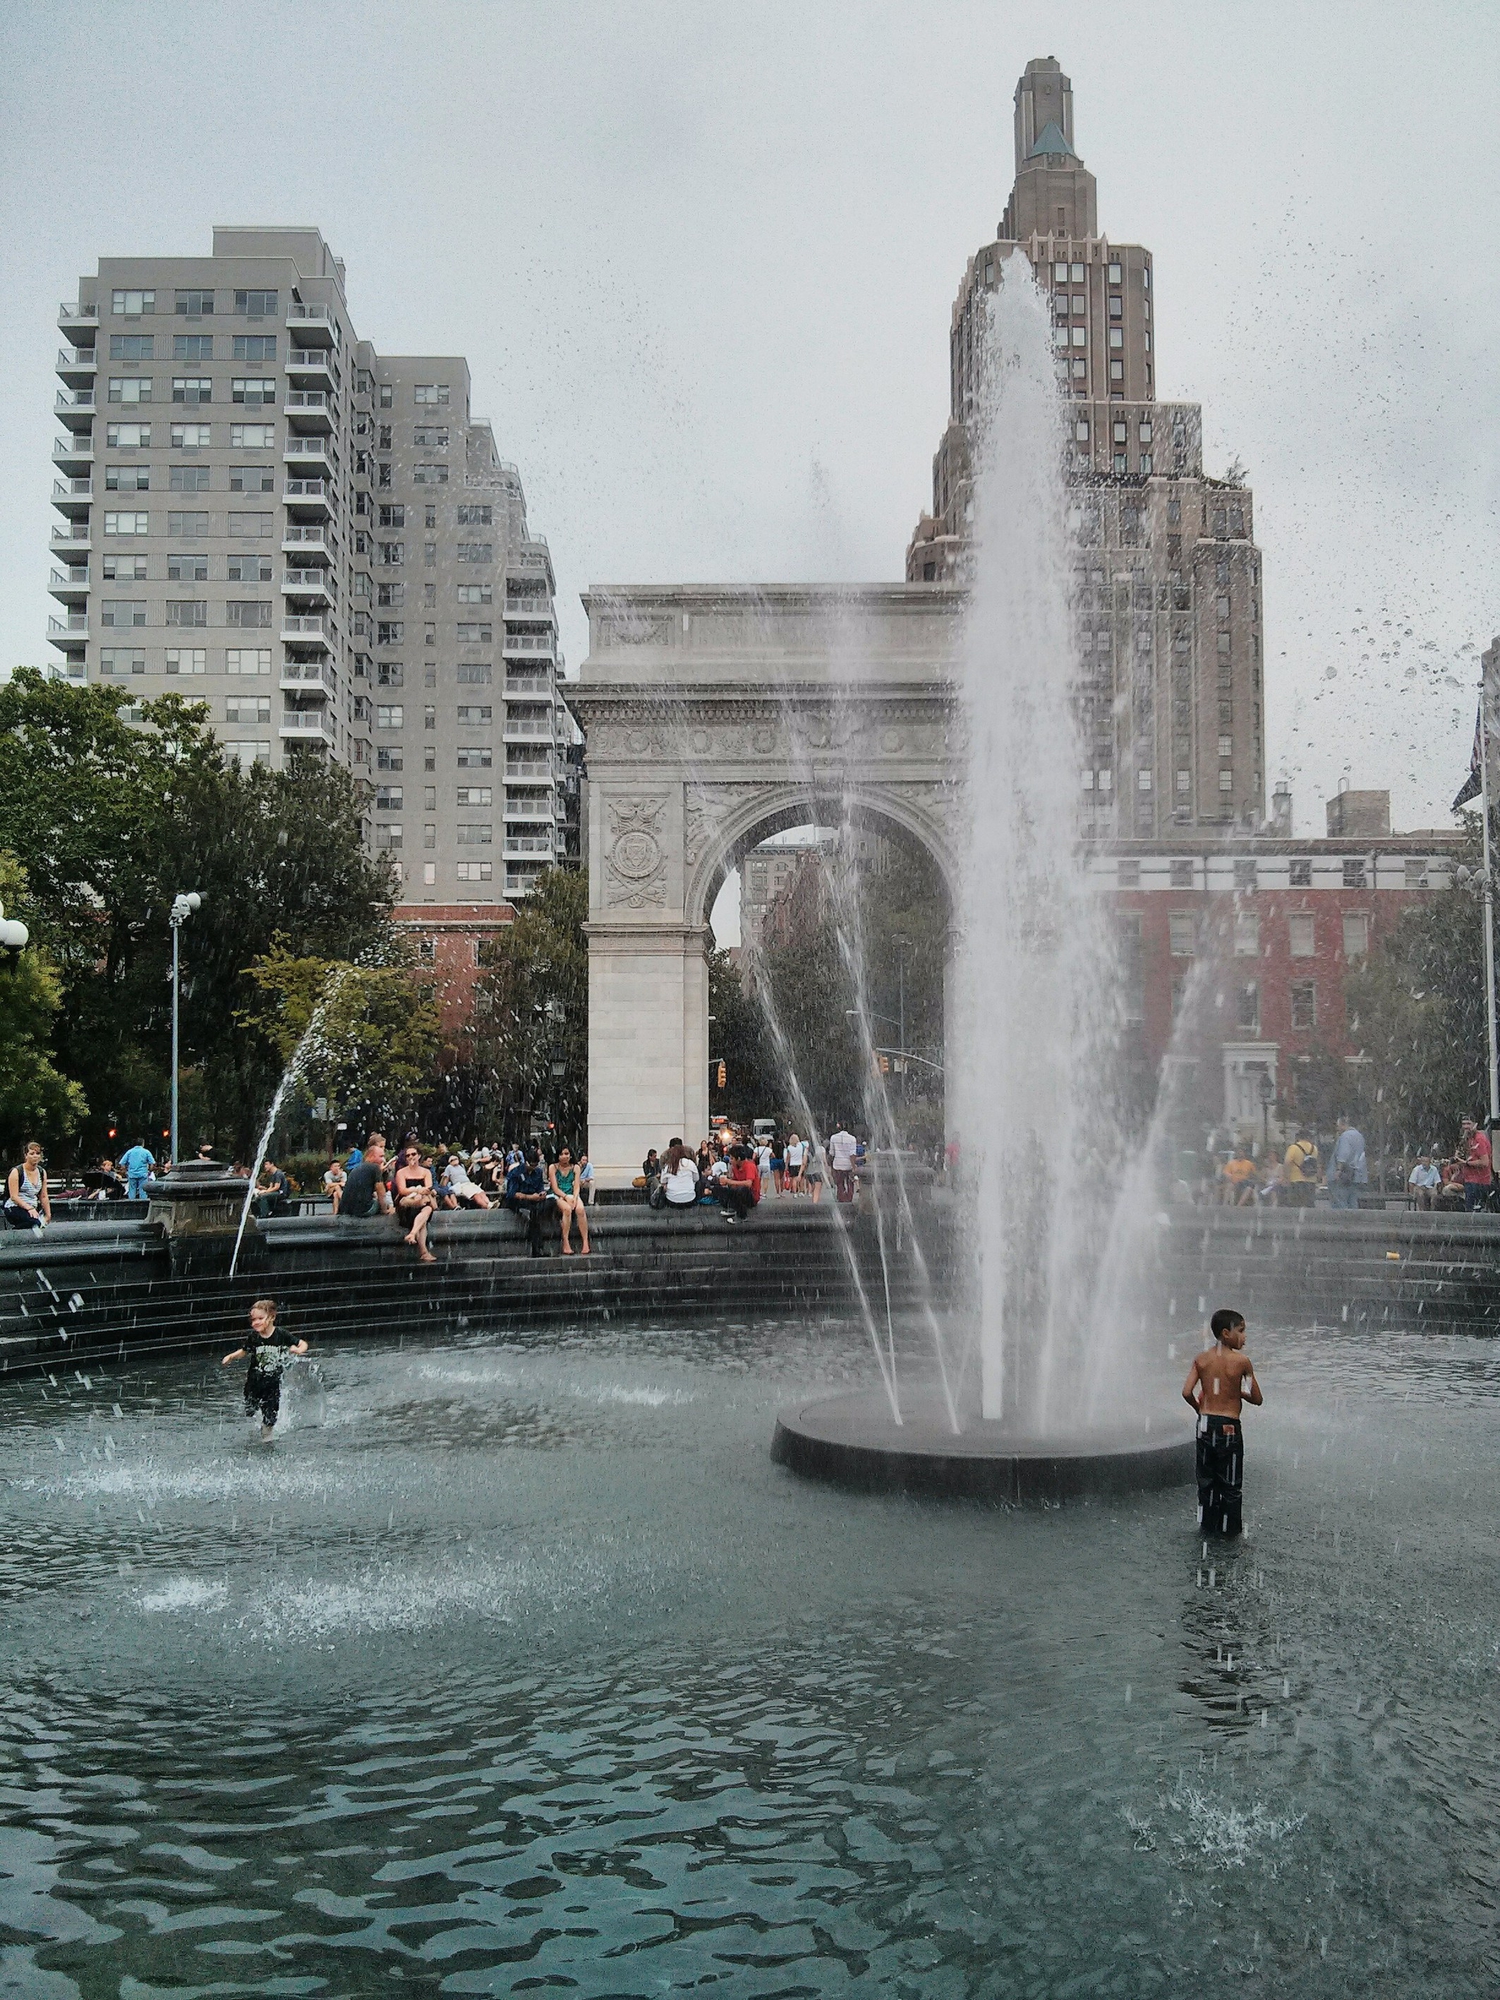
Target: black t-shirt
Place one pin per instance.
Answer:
(358, 1197)
(268, 1352)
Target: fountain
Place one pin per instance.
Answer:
(1041, 1148)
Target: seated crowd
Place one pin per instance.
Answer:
(413, 1189)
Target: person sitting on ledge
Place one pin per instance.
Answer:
(679, 1177)
(459, 1190)
(1423, 1181)
(415, 1200)
(27, 1202)
(1219, 1382)
(738, 1191)
(565, 1180)
(1238, 1176)
(526, 1195)
(366, 1191)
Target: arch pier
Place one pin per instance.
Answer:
(715, 716)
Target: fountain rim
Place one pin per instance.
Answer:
(852, 1441)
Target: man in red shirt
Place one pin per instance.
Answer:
(738, 1191)
(1479, 1166)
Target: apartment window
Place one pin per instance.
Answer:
(1416, 873)
(1122, 463)
(1116, 337)
(1226, 749)
(476, 552)
(122, 611)
(383, 473)
(254, 391)
(187, 660)
(191, 437)
(194, 304)
(1301, 876)
(430, 437)
(390, 553)
(1249, 1009)
(474, 795)
(249, 527)
(475, 757)
(475, 635)
(1080, 370)
(1147, 464)
(256, 305)
(393, 516)
(192, 389)
(383, 438)
(429, 798)
(1128, 874)
(1117, 371)
(429, 873)
(249, 569)
(130, 388)
(389, 798)
(1116, 308)
(1304, 1004)
(429, 516)
(390, 760)
(131, 347)
(387, 834)
(1080, 336)
(124, 569)
(252, 437)
(187, 567)
(254, 347)
(1115, 274)
(247, 708)
(192, 347)
(1226, 781)
(187, 611)
(390, 715)
(246, 612)
(115, 661)
(247, 660)
(127, 437)
(473, 517)
(390, 674)
(1247, 935)
(127, 479)
(1143, 781)
(390, 596)
(1223, 638)
(475, 871)
(1356, 934)
(252, 479)
(1244, 876)
(388, 631)
(1354, 872)
(188, 478)
(474, 673)
(475, 833)
(385, 395)
(1081, 430)
(429, 475)
(429, 555)
(471, 717)
(181, 526)
(434, 394)
(476, 593)
(248, 753)
(127, 524)
(429, 717)
(1182, 933)
(131, 305)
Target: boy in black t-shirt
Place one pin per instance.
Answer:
(365, 1189)
(268, 1349)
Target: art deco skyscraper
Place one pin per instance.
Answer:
(1168, 577)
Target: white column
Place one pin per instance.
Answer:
(648, 1043)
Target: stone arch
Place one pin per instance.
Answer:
(764, 810)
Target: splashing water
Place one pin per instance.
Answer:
(1037, 1007)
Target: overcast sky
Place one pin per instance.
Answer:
(701, 260)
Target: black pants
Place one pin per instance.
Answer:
(1221, 1474)
(735, 1197)
(531, 1213)
(263, 1393)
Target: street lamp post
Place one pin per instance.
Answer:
(183, 906)
(14, 936)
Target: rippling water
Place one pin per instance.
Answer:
(518, 1667)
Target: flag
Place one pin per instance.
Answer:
(1470, 787)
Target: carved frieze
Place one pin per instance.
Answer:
(635, 860)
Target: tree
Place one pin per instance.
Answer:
(34, 1096)
(524, 1053)
(755, 1085)
(362, 1036)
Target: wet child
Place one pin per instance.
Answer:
(1219, 1382)
(268, 1350)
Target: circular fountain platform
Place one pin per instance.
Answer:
(853, 1441)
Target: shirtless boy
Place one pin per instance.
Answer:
(1219, 1382)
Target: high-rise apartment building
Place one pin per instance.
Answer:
(259, 511)
(1168, 577)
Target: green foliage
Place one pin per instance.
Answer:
(35, 1099)
(112, 819)
(531, 1012)
(374, 1032)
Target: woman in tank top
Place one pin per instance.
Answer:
(563, 1178)
(27, 1202)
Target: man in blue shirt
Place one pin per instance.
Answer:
(136, 1166)
(1347, 1171)
(527, 1195)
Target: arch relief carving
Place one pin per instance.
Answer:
(636, 862)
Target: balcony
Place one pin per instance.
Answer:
(308, 409)
(73, 497)
(313, 367)
(535, 608)
(70, 586)
(529, 771)
(528, 729)
(529, 845)
(75, 317)
(68, 453)
(307, 451)
(533, 807)
(75, 407)
(520, 645)
(308, 542)
(77, 364)
(307, 725)
(534, 686)
(306, 630)
(308, 677)
(308, 496)
(315, 589)
(313, 325)
(71, 538)
(70, 632)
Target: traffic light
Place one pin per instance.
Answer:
(885, 1065)
(723, 1074)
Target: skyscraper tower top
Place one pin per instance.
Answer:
(1055, 193)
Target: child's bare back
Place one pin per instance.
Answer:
(1222, 1378)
